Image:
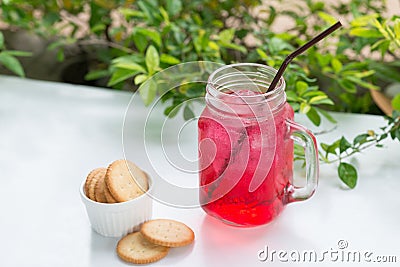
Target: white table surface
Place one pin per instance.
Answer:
(52, 135)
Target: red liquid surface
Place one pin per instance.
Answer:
(232, 153)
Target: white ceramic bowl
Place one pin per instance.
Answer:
(118, 219)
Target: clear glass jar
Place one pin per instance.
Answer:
(246, 136)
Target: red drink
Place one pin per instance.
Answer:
(246, 135)
(241, 153)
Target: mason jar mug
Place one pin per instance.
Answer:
(246, 142)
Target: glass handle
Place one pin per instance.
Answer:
(302, 136)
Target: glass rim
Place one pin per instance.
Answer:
(267, 95)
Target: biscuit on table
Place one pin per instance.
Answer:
(125, 180)
(136, 249)
(167, 233)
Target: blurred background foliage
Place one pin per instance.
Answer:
(125, 42)
(128, 41)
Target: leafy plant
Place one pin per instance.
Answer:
(8, 58)
(342, 149)
(132, 40)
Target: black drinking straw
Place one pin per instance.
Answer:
(300, 50)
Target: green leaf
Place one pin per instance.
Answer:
(366, 33)
(325, 147)
(397, 135)
(128, 59)
(237, 47)
(195, 90)
(295, 106)
(96, 74)
(301, 87)
(188, 113)
(98, 28)
(129, 13)
(272, 16)
(311, 94)
(327, 18)
(396, 102)
(381, 45)
(152, 34)
(323, 60)
(360, 139)
(213, 45)
(291, 96)
(145, 6)
(304, 108)
(364, 74)
(60, 55)
(165, 15)
(1, 40)
(348, 174)
(336, 65)
(140, 41)
(363, 20)
(326, 115)
(148, 91)
(198, 41)
(390, 32)
(171, 111)
(331, 149)
(343, 145)
(382, 137)
(50, 18)
(227, 35)
(168, 59)
(396, 28)
(262, 54)
(152, 60)
(322, 99)
(384, 71)
(18, 53)
(380, 27)
(140, 78)
(298, 150)
(316, 6)
(348, 86)
(362, 83)
(11, 63)
(277, 45)
(130, 66)
(314, 116)
(56, 44)
(120, 75)
(174, 7)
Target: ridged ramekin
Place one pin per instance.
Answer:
(118, 219)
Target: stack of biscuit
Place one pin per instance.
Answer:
(153, 241)
(121, 181)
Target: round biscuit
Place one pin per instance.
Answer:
(99, 194)
(107, 194)
(89, 180)
(167, 233)
(134, 248)
(125, 180)
(96, 177)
